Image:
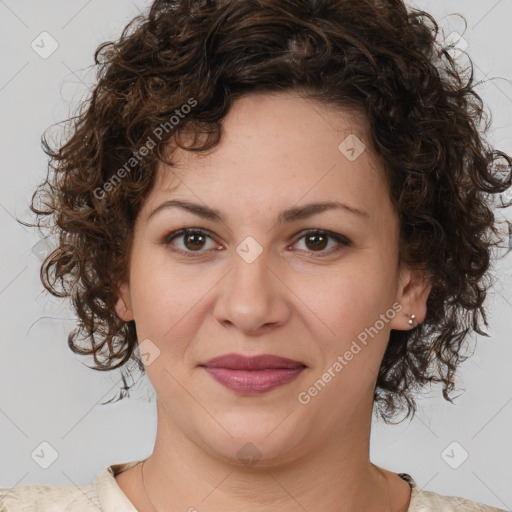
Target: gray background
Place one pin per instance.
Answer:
(48, 395)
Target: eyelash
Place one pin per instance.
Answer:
(342, 240)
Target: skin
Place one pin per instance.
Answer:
(295, 300)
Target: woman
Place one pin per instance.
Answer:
(287, 207)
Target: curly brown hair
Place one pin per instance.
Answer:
(374, 57)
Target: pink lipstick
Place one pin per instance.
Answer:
(253, 375)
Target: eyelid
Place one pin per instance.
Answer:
(342, 242)
(168, 238)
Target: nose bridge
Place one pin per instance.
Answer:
(250, 296)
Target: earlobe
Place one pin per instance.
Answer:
(123, 306)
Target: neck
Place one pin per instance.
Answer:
(335, 475)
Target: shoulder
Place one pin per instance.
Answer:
(432, 501)
(425, 501)
(101, 494)
(48, 498)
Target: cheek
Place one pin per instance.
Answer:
(354, 341)
(168, 300)
(155, 287)
(349, 298)
(351, 307)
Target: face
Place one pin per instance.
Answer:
(322, 287)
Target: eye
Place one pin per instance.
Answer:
(193, 240)
(316, 240)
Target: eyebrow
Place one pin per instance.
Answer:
(289, 215)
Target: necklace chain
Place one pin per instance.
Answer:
(144, 486)
(156, 510)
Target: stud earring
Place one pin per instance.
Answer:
(411, 321)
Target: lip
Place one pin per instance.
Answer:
(253, 375)
(259, 362)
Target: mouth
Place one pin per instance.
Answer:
(253, 375)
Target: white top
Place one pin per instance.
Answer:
(103, 494)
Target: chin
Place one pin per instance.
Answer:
(254, 445)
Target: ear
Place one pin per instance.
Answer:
(124, 304)
(414, 289)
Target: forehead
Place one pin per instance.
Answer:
(279, 147)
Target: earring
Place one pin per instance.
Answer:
(411, 321)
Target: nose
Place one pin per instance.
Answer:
(252, 297)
